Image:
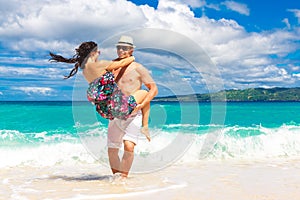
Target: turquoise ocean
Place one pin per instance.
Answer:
(47, 133)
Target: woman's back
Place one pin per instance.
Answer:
(94, 70)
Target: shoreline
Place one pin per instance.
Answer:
(206, 179)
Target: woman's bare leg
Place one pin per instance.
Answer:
(139, 97)
(145, 121)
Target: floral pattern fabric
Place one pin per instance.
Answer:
(109, 100)
(121, 106)
(101, 88)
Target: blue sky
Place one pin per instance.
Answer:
(189, 46)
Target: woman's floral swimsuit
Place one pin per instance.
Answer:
(109, 100)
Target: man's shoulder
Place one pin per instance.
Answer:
(136, 64)
(141, 70)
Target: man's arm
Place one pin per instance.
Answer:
(148, 81)
(153, 91)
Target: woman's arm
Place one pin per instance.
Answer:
(120, 63)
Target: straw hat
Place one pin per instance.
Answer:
(125, 41)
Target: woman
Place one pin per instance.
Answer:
(103, 91)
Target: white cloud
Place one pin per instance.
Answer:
(294, 68)
(270, 74)
(296, 13)
(30, 72)
(61, 25)
(296, 75)
(224, 40)
(43, 91)
(193, 3)
(213, 6)
(237, 7)
(287, 23)
(74, 20)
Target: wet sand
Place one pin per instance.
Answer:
(205, 180)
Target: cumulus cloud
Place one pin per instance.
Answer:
(67, 20)
(224, 40)
(245, 59)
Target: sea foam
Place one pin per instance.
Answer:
(196, 143)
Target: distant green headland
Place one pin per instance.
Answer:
(251, 94)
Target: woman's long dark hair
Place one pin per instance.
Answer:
(81, 53)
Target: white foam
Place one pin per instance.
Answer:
(45, 155)
(283, 141)
(272, 142)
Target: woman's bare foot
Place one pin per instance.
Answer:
(145, 131)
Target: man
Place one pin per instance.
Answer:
(128, 131)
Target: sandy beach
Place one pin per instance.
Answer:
(231, 179)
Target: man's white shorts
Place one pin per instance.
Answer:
(120, 130)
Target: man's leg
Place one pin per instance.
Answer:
(114, 143)
(132, 127)
(114, 160)
(127, 158)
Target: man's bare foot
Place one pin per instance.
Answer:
(118, 178)
(145, 131)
